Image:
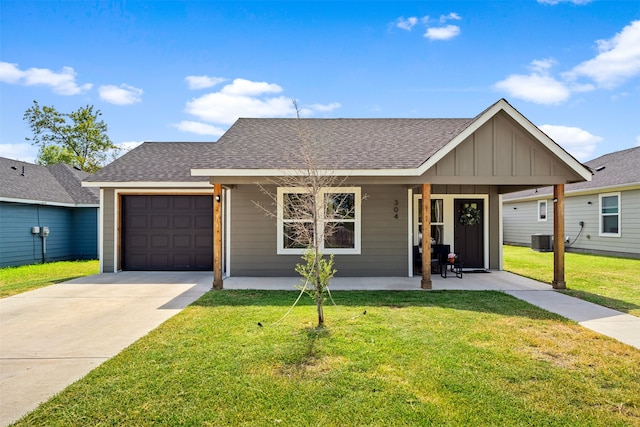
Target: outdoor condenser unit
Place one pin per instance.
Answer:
(542, 242)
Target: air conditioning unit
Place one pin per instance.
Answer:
(542, 242)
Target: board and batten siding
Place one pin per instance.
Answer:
(73, 233)
(384, 249)
(520, 223)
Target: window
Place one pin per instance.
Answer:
(610, 214)
(542, 210)
(339, 220)
(437, 221)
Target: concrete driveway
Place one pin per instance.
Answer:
(53, 336)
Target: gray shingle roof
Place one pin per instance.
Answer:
(55, 183)
(619, 168)
(274, 144)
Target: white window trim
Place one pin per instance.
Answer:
(600, 215)
(337, 251)
(546, 210)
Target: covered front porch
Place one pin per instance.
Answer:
(492, 280)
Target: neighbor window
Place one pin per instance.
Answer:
(339, 221)
(542, 210)
(610, 214)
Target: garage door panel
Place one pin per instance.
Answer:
(160, 222)
(167, 232)
(181, 241)
(182, 221)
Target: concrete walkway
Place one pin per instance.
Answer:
(53, 336)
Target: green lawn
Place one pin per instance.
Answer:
(611, 282)
(415, 358)
(15, 280)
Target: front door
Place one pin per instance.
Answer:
(468, 236)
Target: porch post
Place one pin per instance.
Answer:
(217, 236)
(426, 237)
(558, 237)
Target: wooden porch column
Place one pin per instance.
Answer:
(217, 236)
(426, 237)
(558, 237)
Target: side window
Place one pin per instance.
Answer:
(610, 214)
(542, 210)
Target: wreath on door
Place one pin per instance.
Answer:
(470, 216)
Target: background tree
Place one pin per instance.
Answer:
(78, 138)
(313, 215)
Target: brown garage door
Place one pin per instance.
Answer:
(167, 233)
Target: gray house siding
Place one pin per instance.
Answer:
(72, 235)
(108, 225)
(520, 222)
(384, 238)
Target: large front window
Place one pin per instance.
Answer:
(610, 214)
(337, 225)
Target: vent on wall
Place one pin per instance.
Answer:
(542, 242)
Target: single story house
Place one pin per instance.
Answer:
(602, 216)
(181, 206)
(36, 200)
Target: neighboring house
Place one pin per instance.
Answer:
(602, 216)
(46, 196)
(182, 206)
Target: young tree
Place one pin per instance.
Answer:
(78, 138)
(313, 215)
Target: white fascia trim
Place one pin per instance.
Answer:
(297, 172)
(147, 184)
(45, 203)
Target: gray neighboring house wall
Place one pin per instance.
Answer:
(602, 216)
(46, 196)
(155, 198)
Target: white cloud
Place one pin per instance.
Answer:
(242, 87)
(199, 128)
(442, 33)
(241, 98)
(22, 151)
(203, 82)
(450, 17)
(554, 2)
(62, 82)
(535, 87)
(618, 60)
(120, 95)
(580, 143)
(324, 108)
(406, 24)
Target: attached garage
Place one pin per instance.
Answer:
(167, 232)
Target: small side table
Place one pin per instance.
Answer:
(453, 267)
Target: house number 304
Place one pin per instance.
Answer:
(396, 209)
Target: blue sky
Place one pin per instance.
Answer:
(184, 71)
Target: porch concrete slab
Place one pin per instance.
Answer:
(53, 336)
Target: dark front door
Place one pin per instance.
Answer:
(167, 232)
(468, 236)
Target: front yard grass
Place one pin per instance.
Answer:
(415, 358)
(15, 280)
(608, 281)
